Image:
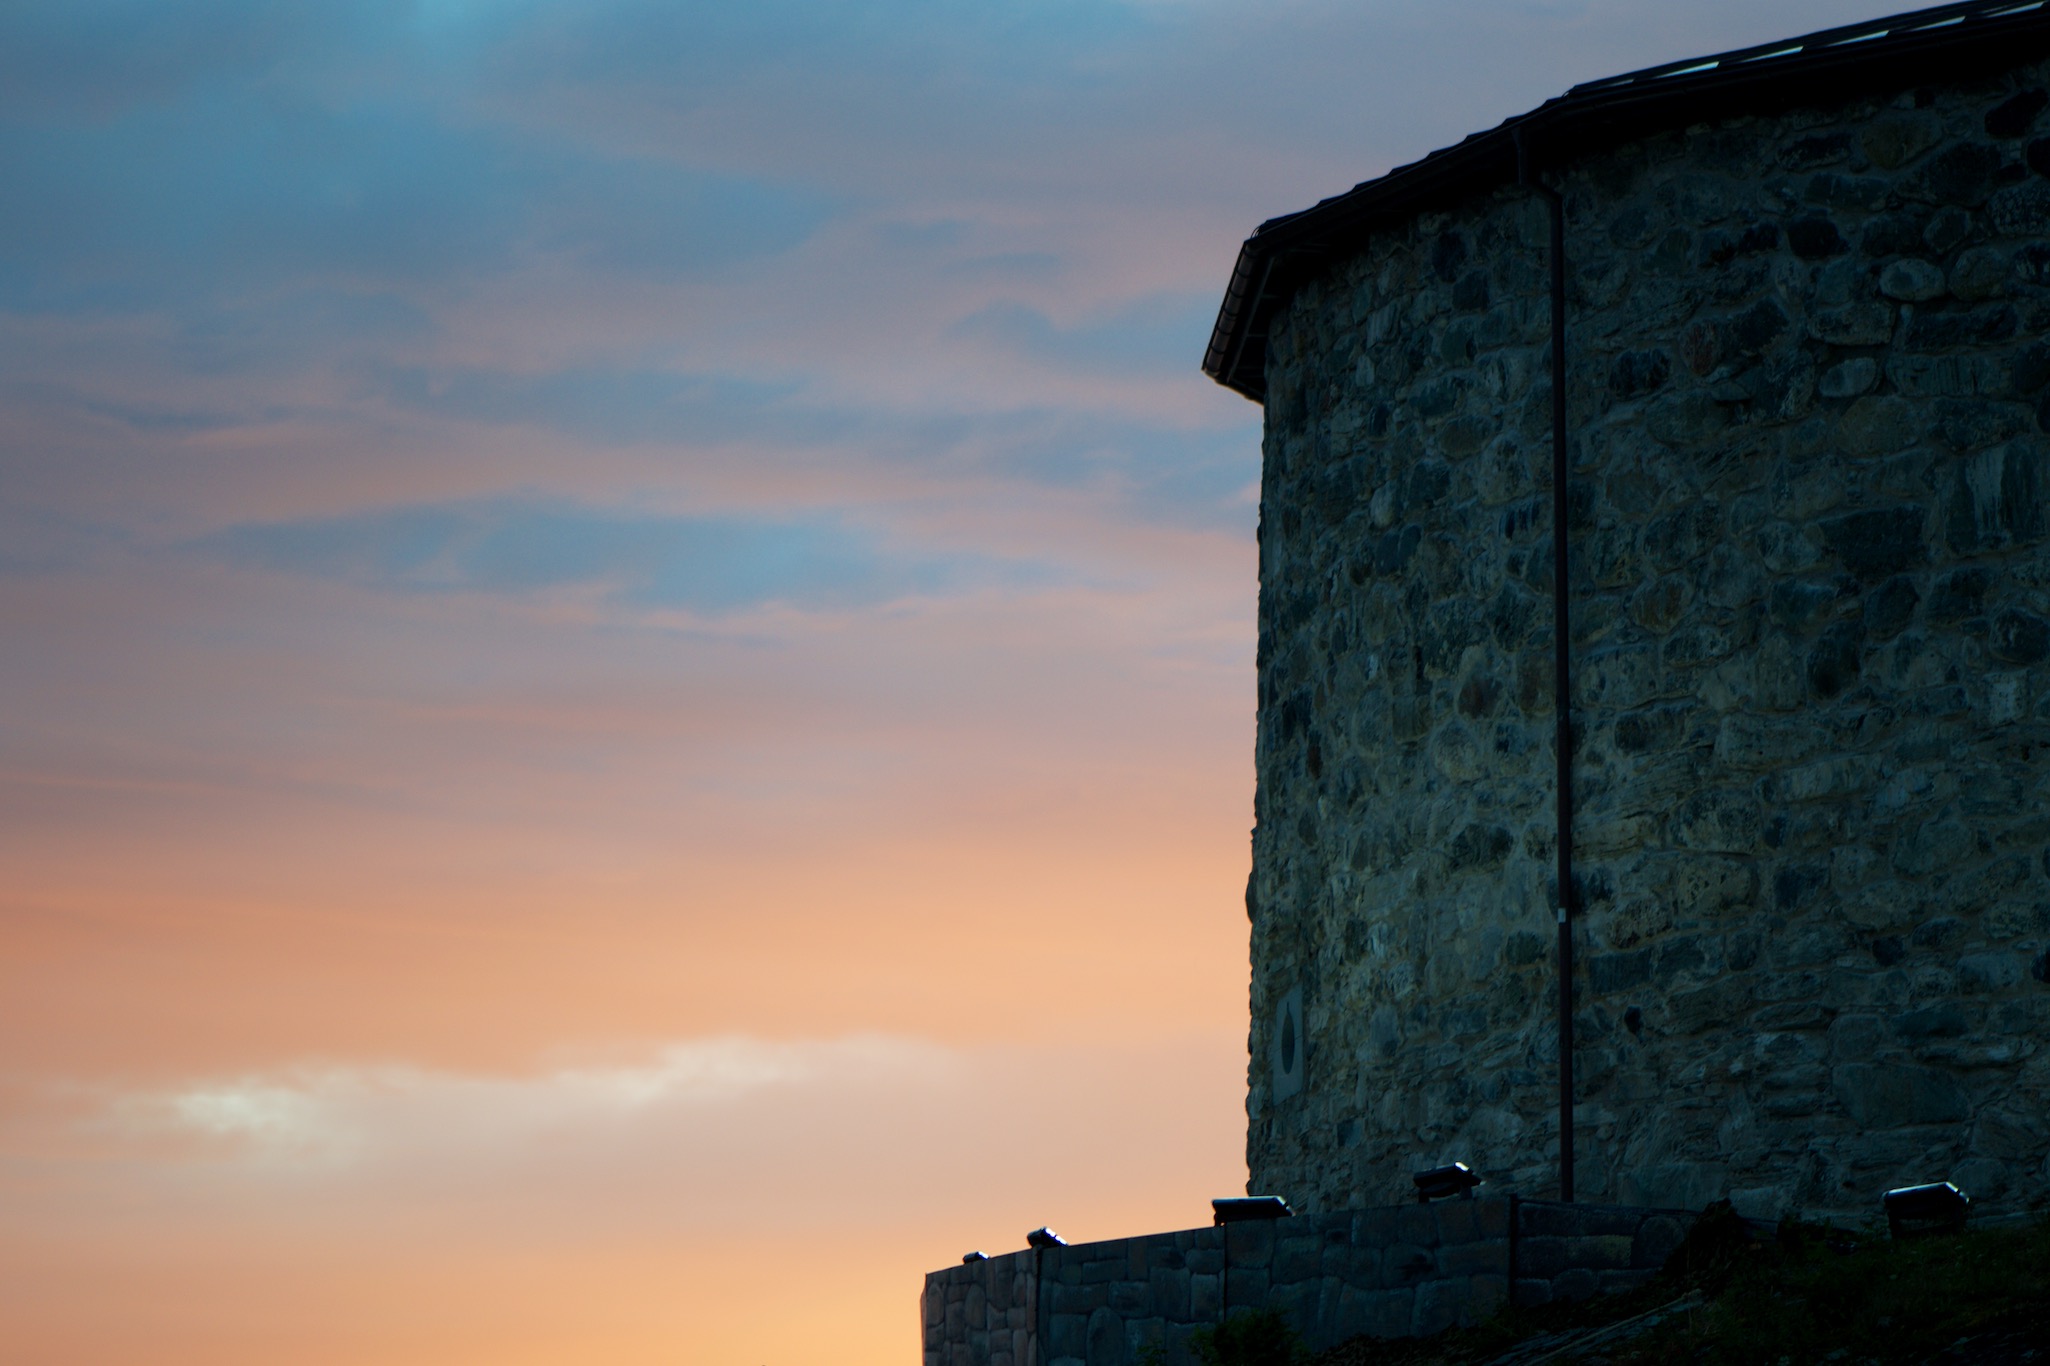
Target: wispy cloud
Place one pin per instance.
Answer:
(327, 1115)
(1151, 335)
(706, 564)
(234, 192)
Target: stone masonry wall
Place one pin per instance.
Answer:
(1809, 381)
(1393, 1272)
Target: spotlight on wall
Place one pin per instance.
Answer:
(1044, 1237)
(1442, 1183)
(1936, 1208)
(1240, 1209)
(972, 1258)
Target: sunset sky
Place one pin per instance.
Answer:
(626, 714)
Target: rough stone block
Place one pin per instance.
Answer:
(1543, 1255)
(1101, 1270)
(1245, 1288)
(1132, 1299)
(1391, 1312)
(1657, 1237)
(1067, 1335)
(1297, 1302)
(1458, 1220)
(1576, 1283)
(1467, 1259)
(1543, 1217)
(1337, 1259)
(1439, 1305)
(1416, 1224)
(1486, 1298)
(1163, 1251)
(1323, 1318)
(1297, 1258)
(1601, 1252)
(1106, 1339)
(1374, 1227)
(1615, 1282)
(1141, 1334)
(1206, 1301)
(1355, 1313)
(1077, 1299)
(1249, 1244)
(1170, 1292)
(1406, 1264)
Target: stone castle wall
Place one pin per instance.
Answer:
(1395, 1272)
(1809, 380)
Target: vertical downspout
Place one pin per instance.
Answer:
(1562, 740)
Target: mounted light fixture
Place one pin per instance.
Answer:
(1912, 1211)
(1044, 1237)
(972, 1258)
(1442, 1183)
(1241, 1209)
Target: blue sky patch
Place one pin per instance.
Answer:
(649, 561)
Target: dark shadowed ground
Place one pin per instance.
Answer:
(1737, 1294)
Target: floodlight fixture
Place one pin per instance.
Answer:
(1242, 1209)
(1938, 1207)
(1442, 1183)
(1044, 1237)
(973, 1257)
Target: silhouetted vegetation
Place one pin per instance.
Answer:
(1808, 1295)
(1261, 1338)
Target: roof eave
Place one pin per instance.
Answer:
(1276, 259)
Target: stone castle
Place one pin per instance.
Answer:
(1806, 663)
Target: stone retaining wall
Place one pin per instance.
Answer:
(1406, 1270)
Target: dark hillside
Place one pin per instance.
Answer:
(1736, 1296)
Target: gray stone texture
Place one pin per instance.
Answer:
(1403, 1271)
(1809, 377)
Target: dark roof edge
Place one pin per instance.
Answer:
(1899, 51)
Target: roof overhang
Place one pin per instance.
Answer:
(1899, 52)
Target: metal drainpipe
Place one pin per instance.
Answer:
(1562, 740)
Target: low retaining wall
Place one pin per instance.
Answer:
(1399, 1271)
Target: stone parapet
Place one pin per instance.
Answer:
(1398, 1271)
